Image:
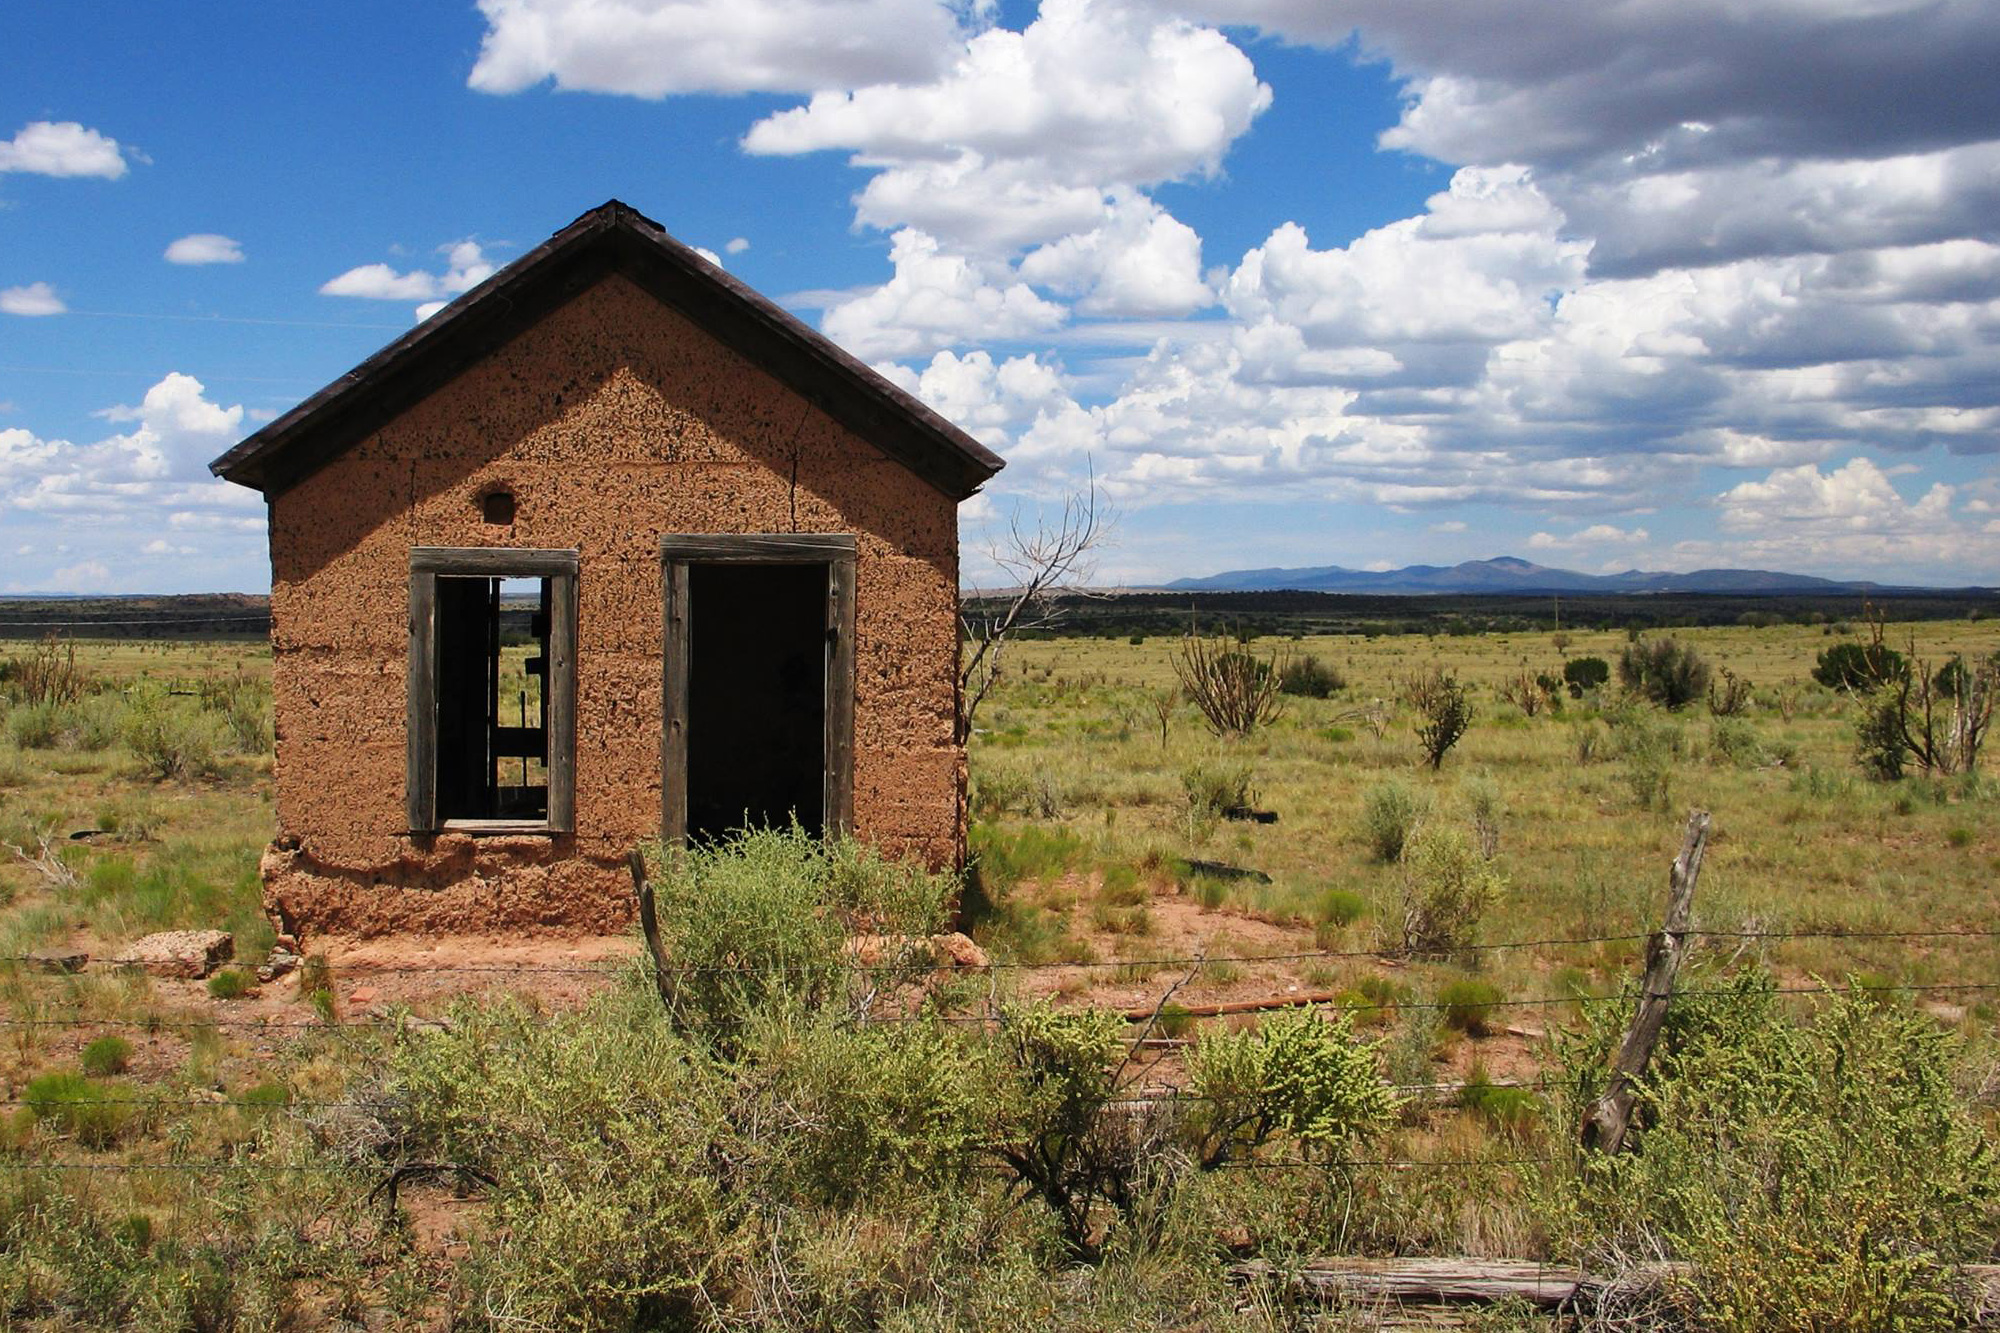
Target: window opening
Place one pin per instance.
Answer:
(493, 717)
(497, 507)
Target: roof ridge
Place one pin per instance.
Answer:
(408, 369)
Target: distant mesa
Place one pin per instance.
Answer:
(1510, 574)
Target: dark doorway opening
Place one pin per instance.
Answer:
(492, 698)
(756, 697)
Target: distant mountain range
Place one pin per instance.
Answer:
(1506, 574)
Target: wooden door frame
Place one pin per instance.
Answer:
(836, 551)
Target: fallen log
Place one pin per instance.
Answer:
(1437, 1285)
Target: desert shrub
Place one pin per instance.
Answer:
(231, 983)
(1443, 710)
(1301, 1074)
(1648, 745)
(603, 1135)
(1447, 887)
(1583, 674)
(47, 675)
(761, 919)
(1734, 741)
(1469, 1004)
(1213, 789)
(37, 726)
(1484, 806)
(1236, 691)
(1859, 666)
(71, 1104)
(1339, 907)
(244, 705)
(1665, 671)
(98, 721)
(172, 737)
(1510, 1110)
(106, 1056)
(1390, 813)
(1816, 1175)
(995, 792)
(1729, 696)
(1531, 692)
(1310, 678)
(1032, 852)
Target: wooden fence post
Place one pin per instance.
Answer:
(649, 925)
(1604, 1128)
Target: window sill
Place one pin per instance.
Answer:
(477, 827)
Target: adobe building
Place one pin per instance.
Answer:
(608, 549)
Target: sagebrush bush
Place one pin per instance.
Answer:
(1310, 678)
(1734, 741)
(1213, 789)
(1390, 812)
(1666, 671)
(244, 705)
(763, 918)
(172, 737)
(37, 726)
(1823, 1176)
(1447, 887)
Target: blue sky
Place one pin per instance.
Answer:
(1670, 284)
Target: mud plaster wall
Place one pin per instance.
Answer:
(613, 421)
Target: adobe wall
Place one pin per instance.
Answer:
(613, 421)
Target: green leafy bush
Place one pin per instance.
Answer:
(231, 983)
(71, 1104)
(1213, 789)
(1390, 813)
(1469, 1004)
(37, 726)
(1734, 741)
(1824, 1175)
(1583, 674)
(1310, 678)
(1666, 671)
(1299, 1073)
(172, 737)
(1339, 907)
(762, 919)
(106, 1056)
(1446, 889)
(1859, 666)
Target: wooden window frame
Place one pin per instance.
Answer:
(427, 563)
(834, 550)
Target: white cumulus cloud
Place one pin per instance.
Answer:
(466, 266)
(937, 300)
(205, 247)
(37, 298)
(1023, 138)
(62, 148)
(653, 48)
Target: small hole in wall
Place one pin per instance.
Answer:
(497, 507)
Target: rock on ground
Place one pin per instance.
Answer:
(191, 954)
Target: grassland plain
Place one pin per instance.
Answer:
(1101, 847)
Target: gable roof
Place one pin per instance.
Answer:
(614, 238)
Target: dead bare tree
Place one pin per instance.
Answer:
(1052, 557)
(1937, 719)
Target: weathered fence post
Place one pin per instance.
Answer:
(649, 925)
(1604, 1128)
